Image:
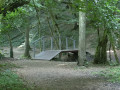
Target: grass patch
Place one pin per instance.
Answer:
(10, 80)
(113, 74)
(7, 65)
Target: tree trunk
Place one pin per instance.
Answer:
(55, 26)
(39, 23)
(113, 46)
(115, 54)
(27, 46)
(52, 34)
(110, 52)
(101, 55)
(11, 47)
(54, 23)
(82, 44)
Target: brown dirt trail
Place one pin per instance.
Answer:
(50, 75)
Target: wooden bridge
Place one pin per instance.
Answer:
(49, 49)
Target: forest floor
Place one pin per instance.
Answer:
(56, 75)
(51, 75)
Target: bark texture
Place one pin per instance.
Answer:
(27, 46)
(82, 44)
(101, 55)
(11, 47)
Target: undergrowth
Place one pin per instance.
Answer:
(10, 80)
(113, 74)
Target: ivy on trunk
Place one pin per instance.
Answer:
(101, 55)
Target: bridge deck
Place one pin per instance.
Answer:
(50, 54)
(69, 50)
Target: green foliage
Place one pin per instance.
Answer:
(101, 13)
(12, 25)
(112, 63)
(7, 65)
(25, 57)
(12, 20)
(10, 81)
(113, 74)
(1, 54)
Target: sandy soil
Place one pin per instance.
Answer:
(50, 75)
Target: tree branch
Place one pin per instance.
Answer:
(12, 6)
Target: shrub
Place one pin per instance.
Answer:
(113, 74)
(10, 81)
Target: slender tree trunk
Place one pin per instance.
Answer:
(98, 32)
(55, 23)
(113, 46)
(110, 52)
(39, 23)
(82, 44)
(27, 46)
(101, 55)
(115, 54)
(52, 34)
(11, 47)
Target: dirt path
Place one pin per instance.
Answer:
(50, 75)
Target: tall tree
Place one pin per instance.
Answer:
(27, 46)
(39, 23)
(102, 16)
(82, 45)
(11, 46)
(106, 22)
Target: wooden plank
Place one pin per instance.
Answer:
(69, 50)
(47, 55)
(50, 54)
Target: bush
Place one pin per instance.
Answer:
(1, 56)
(10, 81)
(113, 74)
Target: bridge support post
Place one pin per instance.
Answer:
(59, 43)
(34, 50)
(43, 41)
(60, 55)
(74, 44)
(66, 43)
(51, 43)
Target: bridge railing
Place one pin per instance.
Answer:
(54, 43)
